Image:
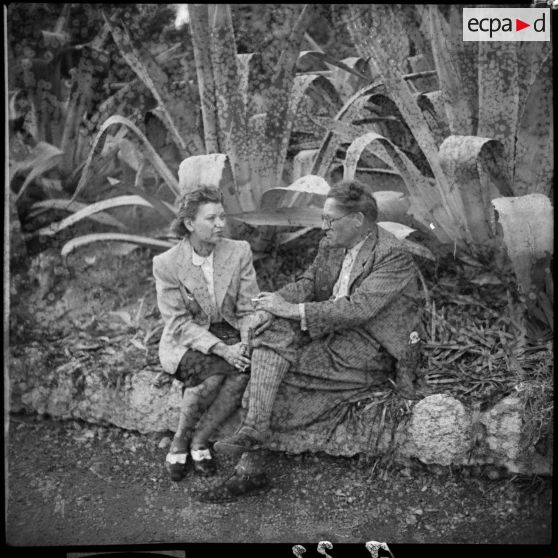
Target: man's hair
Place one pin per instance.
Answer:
(354, 196)
(189, 205)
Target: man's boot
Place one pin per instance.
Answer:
(249, 479)
(246, 439)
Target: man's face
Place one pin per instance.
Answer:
(341, 228)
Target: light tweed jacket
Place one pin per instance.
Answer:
(383, 296)
(184, 301)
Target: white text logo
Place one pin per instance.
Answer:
(506, 24)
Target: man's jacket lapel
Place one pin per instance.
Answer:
(364, 260)
(329, 273)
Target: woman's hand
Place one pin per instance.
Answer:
(276, 305)
(233, 354)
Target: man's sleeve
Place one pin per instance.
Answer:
(302, 290)
(385, 283)
(302, 312)
(248, 287)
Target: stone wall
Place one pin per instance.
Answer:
(440, 430)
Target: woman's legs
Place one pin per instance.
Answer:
(195, 401)
(226, 402)
(207, 373)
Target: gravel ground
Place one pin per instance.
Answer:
(70, 483)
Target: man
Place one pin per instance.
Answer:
(328, 337)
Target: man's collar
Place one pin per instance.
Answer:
(361, 242)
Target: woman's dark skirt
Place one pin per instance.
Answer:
(195, 367)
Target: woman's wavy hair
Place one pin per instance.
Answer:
(189, 205)
(354, 196)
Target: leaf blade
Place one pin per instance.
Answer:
(80, 241)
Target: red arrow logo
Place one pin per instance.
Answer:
(519, 25)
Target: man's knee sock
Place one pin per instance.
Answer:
(268, 371)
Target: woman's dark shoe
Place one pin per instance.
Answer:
(175, 464)
(235, 486)
(203, 462)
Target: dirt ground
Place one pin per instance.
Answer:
(70, 483)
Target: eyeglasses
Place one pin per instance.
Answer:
(328, 220)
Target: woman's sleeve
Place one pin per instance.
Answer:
(179, 324)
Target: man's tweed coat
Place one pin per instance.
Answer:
(183, 297)
(352, 343)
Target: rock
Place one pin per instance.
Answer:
(437, 470)
(411, 519)
(142, 407)
(164, 443)
(493, 474)
(503, 428)
(439, 430)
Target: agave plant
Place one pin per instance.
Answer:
(261, 110)
(449, 176)
(250, 102)
(59, 116)
(53, 109)
(57, 86)
(486, 140)
(248, 108)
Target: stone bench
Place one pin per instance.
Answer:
(439, 429)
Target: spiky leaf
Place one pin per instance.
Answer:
(81, 241)
(150, 153)
(528, 226)
(91, 209)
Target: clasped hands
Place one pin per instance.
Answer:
(236, 355)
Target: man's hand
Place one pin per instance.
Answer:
(233, 354)
(258, 322)
(277, 305)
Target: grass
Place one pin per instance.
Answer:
(536, 391)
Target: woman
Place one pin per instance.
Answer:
(204, 288)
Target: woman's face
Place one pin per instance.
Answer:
(208, 224)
